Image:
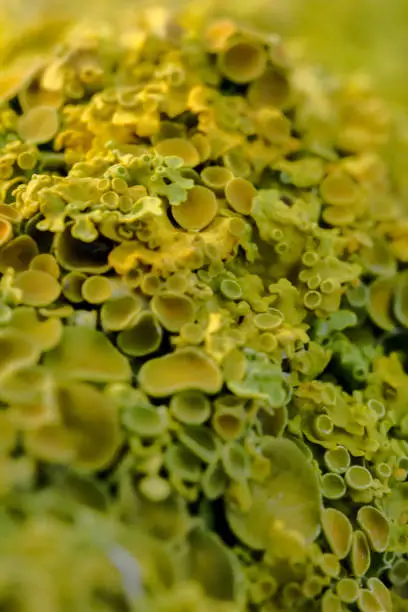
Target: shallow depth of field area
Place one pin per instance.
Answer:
(203, 307)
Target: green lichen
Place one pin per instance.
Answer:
(202, 330)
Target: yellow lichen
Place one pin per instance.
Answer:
(338, 531)
(202, 300)
(242, 60)
(198, 210)
(37, 288)
(184, 369)
(38, 125)
(142, 337)
(86, 354)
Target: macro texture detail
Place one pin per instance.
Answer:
(203, 331)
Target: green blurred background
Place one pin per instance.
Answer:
(342, 34)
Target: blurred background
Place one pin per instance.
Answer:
(369, 36)
(341, 34)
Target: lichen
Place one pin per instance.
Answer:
(203, 302)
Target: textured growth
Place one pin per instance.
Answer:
(203, 331)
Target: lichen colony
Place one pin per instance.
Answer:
(203, 328)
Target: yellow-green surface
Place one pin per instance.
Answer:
(203, 311)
